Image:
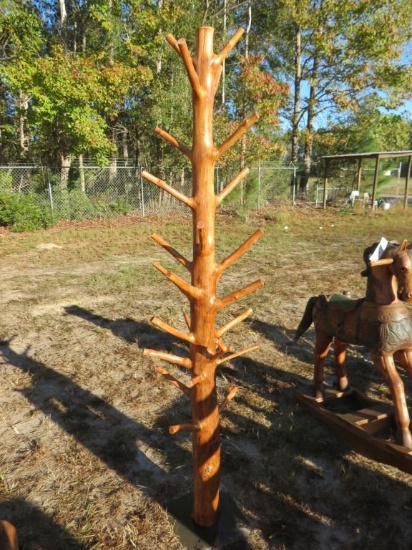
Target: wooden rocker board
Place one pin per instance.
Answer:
(365, 424)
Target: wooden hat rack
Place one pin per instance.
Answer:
(207, 350)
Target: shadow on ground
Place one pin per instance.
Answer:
(259, 458)
(39, 530)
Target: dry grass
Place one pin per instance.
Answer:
(86, 461)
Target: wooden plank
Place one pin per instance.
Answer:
(370, 414)
(373, 420)
(378, 426)
(362, 438)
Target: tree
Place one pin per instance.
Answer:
(75, 95)
(21, 40)
(368, 129)
(334, 53)
(353, 60)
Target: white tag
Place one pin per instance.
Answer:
(379, 250)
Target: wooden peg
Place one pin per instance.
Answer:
(174, 381)
(228, 398)
(237, 134)
(186, 288)
(190, 69)
(181, 259)
(238, 294)
(187, 320)
(222, 347)
(230, 186)
(195, 380)
(177, 144)
(169, 357)
(384, 261)
(221, 331)
(200, 237)
(229, 260)
(179, 427)
(172, 330)
(173, 42)
(237, 354)
(169, 189)
(216, 78)
(229, 46)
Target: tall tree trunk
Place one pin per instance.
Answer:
(66, 163)
(159, 59)
(81, 174)
(111, 42)
(22, 106)
(248, 27)
(63, 19)
(113, 159)
(125, 144)
(244, 137)
(296, 96)
(63, 12)
(309, 126)
(137, 146)
(223, 79)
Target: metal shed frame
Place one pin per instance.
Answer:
(378, 155)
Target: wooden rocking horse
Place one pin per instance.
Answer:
(380, 321)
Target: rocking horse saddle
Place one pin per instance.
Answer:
(378, 327)
(342, 302)
(385, 328)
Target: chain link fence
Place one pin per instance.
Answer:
(88, 191)
(94, 192)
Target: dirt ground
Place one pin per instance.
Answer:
(86, 460)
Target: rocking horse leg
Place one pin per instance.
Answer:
(404, 356)
(386, 366)
(340, 357)
(322, 346)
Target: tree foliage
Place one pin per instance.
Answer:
(94, 77)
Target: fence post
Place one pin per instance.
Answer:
(294, 186)
(50, 190)
(141, 192)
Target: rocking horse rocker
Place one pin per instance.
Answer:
(380, 321)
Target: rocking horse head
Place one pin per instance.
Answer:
(389, 267)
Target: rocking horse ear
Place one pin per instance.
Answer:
(402, 246)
